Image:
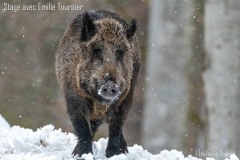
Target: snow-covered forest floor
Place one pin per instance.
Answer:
(53, 144)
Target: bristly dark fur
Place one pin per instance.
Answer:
(88, 28)
(98, 47)
(132, 28)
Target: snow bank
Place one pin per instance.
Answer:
(4, 123)
(48, 143)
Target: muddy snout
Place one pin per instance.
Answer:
(109, 91)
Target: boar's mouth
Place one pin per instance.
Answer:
(109, 92)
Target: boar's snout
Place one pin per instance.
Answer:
(109, 91)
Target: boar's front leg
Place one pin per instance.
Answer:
(78, 112)
(116, 143)
(84, 144)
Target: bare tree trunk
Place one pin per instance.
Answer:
(222, 79)
(167, 84)
(197, 113)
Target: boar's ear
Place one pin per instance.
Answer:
(132, 27)
(88, 28)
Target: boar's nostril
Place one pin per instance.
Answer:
(113, 91)
(105, 90)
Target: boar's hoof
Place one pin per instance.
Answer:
(81, 149)
(109, 91)
(115, 151)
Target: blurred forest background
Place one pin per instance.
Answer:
(188, 93)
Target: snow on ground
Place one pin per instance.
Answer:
(48, 143)
(4, 123)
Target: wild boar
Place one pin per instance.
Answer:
(97, 65)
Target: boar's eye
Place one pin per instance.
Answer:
(97, 53)
(119, 54)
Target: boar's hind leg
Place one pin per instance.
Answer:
(77, 109)
(95, 125)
